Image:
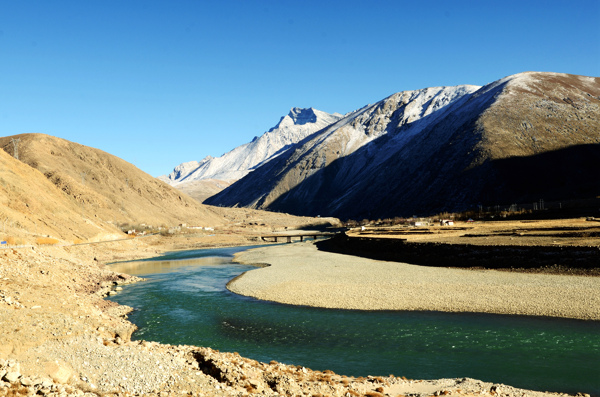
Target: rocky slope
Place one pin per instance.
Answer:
(522, 138)
(237, 163)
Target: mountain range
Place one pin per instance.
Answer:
(526, 137)
(522, 138)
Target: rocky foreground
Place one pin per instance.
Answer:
(60, 337)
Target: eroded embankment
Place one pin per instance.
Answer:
(546, 259)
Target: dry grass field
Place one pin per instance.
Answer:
(553, 232)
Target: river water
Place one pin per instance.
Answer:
(185, 301)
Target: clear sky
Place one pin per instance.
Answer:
(159, 83)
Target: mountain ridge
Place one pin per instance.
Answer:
(416, 153)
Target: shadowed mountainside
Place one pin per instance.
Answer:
(521, 138)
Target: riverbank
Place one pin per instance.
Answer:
(562, 260)
(59, 336)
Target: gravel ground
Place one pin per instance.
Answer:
(301, 275)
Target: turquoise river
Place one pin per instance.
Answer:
(185, 301)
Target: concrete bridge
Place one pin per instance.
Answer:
(289, 237)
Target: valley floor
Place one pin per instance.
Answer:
(59, 336)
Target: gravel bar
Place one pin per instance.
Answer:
(299, 274)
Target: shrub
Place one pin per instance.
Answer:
(46, 241)
(325, 378)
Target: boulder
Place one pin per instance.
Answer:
(26, 381)
(11, 377)
(60, 372)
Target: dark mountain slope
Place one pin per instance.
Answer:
(446, 150)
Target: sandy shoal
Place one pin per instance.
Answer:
(299, 274)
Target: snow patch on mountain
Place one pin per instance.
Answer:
(399, 117)
(237, 163)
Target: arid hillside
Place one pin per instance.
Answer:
(31, 207)
(203, 188)
(70, 192)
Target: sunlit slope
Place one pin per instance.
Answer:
(31, 207)
(100, 188)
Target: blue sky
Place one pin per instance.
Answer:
(158, 83)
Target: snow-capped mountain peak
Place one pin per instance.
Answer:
(237, 163)
(302, 116)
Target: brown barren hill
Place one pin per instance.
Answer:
(203, 188)
(539, 139)
(541, 112)
(31, 207)
(71, 191)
